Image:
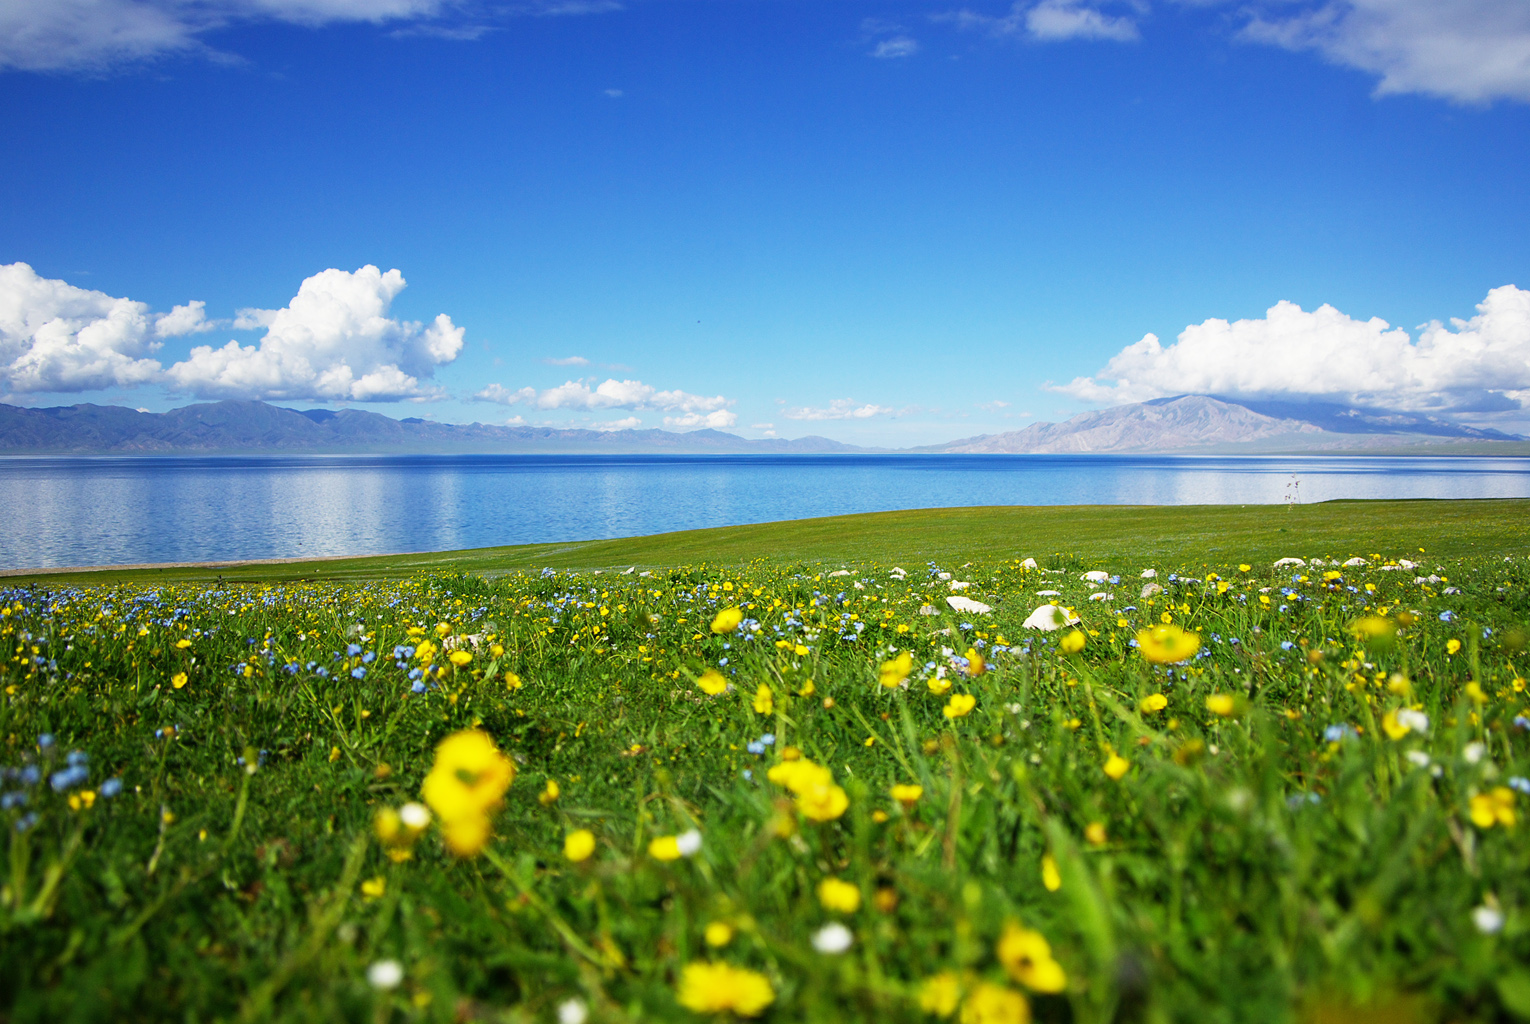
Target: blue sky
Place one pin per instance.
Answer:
(886, 223)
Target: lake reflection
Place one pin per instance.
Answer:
(100, 511)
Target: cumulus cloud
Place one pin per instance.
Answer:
(1477, 362)
(1055, 20)
(333, 341)
(188, 319)
(612, 394)
(56, 337)
(626, 423)
(1471, 51)
(717, 420)
(838, 409)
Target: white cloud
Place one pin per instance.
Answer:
(56, 337)
(188, 319)
(717, 420)
(1054, 21)
(612, 394)
(333, 341)
(838, 409)
(567, 361)
(615, 94)
(1324, 352)
(898, 46)
(628, 423)
(1471, 51)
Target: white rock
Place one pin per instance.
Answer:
(960, 584)
(1099, 595)
(1149, 589)
(1049, 593)
(928, 609)
(1405, 563)
(967, 604)
(1095, 576)
(1149, 574)
(1029, 563)
(1283, 562)
(840, 572)
(629, 570)
(1049, 617)
(1356, 561)
(942, 575)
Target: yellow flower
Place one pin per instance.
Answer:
(1392, 727)
(723, 988)
(1221, 704)
(1373, 627)
(718, 934)
(1094, 833)
(995, 1004)
(1117, 766)
(372, 888)
(512, 681)
(549, 795)
(1244, 567)
(894, 672)
(1494, 808)
(178, 680)
(1072, 643)
(1452, 646)
(940, 994)
(466, 784)
(664, 848)
(183, 643)
(959, 705)
(1474, 693)
(1051, 878)
(727, 620)
(712, 682)
(460, 658)
(1167, 644)
(764, 700)
(578, 845)
(443, 629)
(1153, 702)
(907, 795)
(975, 664)
(334, 754)
(938, 686)
(1027, 957)
(839, 897)
(823, 802)
(799, 774)
(466, 836)
(425, 651)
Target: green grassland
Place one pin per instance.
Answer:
(1318, 816)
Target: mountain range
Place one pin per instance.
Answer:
(1186, 424)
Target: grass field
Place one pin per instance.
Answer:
(817, 771)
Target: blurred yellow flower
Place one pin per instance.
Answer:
(718, 934)
(372, 888)
(823, 802)
(995, 1004)
(466, 784)
(443, 629)
(549, 795)
(712, 682)
(892, 673)
(1071, 643)
(1153, 702)
(1051, 878)
(425, 651)
(1373, 627)
(938, 686)
(1474, 693)
(1116, 766)
(959, 705)
(183, 643)
(907, 795)
(1167, 644)
(764, 700)
(723, 988)
(578, 845)
(1494, 808)
(178, 680)
(727, 620)
(460, 658)
(664, 848)
(1221, 704)
(940, 994)
(1094, 833)
(1027, 958)
(839, 897)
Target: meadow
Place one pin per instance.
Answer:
(1089, 765)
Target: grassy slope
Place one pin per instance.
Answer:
(1180, 532)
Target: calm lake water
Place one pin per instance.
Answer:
(100, 511)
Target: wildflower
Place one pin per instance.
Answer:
(549, 796)
(940, 994)
(1373, 627)
(1116, 766)
(461, 659)
(1487, 919)
(385, 975)
(727, 620)
(712, 682)
(1153, 702)
(723, 988)
(373, 888)
(995, 1004)
(960, 705)
(182, 643)
(718, 934)
(1027, 957)
(1493, 808)
(1402, 721)
(1072, 643)
(686, 844)
(938, 686)
(1167, 644)
(1452, 646)
(839, 897)
(1221, 704)
(1474, 693)
(764, 700)
(1094, 833)
(893, 673)
(573, 1011)
(1051, 878)
(467, 784)
(823, 802)
(178, 680)
(578, 845)
(975, 664)
(907, 795)
(833, 939)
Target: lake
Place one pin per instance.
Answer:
(113, 511)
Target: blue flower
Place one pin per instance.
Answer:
(111, 787)
(369, 657)
(418, 687)
(45, 740)
(1286, 645)
(768, 739)
(1520, 783)
(1339, 733)
(353, 649)
(1447, 616)
(755, 747)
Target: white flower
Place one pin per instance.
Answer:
(1473, 752)
(833, 938)
(1487, 919)
(385, 974)
(415, 816)
(967, 604)
(688, 843)
(1415, 720)
(1049, 617)
(1419, 758)
(572, 1011)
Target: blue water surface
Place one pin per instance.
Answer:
(113, 511)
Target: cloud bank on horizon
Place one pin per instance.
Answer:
(1477, 365)
(1467, 51)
